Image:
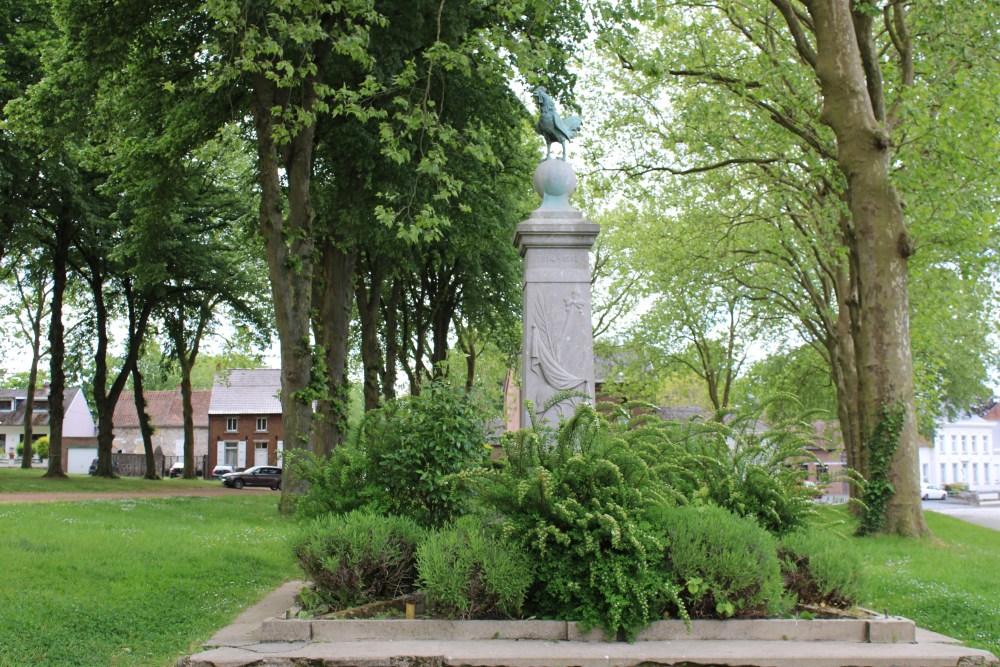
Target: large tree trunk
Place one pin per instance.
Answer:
(57, 351)
(885, 369)
(333, 297)
(29, 402)
(145, 428)
(289, 248)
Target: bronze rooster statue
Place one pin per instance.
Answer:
(551, 126)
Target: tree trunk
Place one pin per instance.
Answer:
(289, 248)
(57, 351)
(187, 409)
(390, 316)
(333, 298)
(885, 369)
(145, 427)
(369, 296)
(29, 402)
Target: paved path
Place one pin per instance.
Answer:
(984, 515)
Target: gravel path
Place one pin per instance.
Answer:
(45, 497)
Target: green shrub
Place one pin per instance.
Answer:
(335, 484)
(359, 557)
(725, 564)
(736, 463)
(404, 460)
(577, 506)
(466, 573)
(415, 446)
(41, 447)
(820, 568)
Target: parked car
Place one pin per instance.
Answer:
(931, 492)
(256, 476)
(177, 469)
(93, 467)
(219, 471)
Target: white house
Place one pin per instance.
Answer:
(966, 450)
(77, 420)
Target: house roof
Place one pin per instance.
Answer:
(165, 409)
(39, 418)
(242, 391)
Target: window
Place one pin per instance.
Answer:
(925, 472)
(964, 445)
(230, 424)
(230, 453)
(6, 404)
(954, 472)
(821, 469)
(261, 424)
(975, 473)
(954, 446)
(973, 444)
(944, 469)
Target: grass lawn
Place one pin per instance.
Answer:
(16, 480)
(132, 582)
(949, 584)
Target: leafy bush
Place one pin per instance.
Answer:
(577, 505)
(359, 557)
(336, 484)
(466, 573)
(41, 447)
(405, 459)
(734, 462)
(820, 568)
(725, 564)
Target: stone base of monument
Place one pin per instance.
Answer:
(261, 637)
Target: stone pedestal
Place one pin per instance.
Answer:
(558, 344)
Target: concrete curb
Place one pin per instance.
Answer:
(875, 642)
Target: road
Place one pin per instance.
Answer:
(988, 515)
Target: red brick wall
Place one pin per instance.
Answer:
(246, 430)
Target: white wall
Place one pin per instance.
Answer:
(77, 420)
(967, 451)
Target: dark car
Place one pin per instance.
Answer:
(269, 476)
(219, 471)
(93, 467)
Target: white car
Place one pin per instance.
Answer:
(931, 492)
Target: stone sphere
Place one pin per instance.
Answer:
(555, 181)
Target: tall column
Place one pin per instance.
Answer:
(558, 346)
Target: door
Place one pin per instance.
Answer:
(260, 454)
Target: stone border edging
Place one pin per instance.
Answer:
(874, 630)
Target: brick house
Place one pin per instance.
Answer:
(166, 412)
(244, 418)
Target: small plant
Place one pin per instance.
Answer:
(820, 568)
(725, 564)
(359, 557)
(466, 573)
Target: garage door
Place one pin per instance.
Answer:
(79, 459)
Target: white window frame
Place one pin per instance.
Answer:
(232, 424)
(261, 421)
